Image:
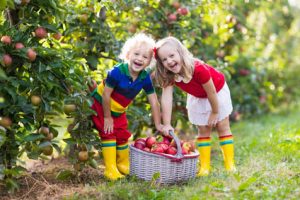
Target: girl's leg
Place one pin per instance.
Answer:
(204, 148)
(226, 143)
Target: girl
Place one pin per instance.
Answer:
(208, 100)
(115, 94)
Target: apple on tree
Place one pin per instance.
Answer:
(31, 54)
(6, 39)
(19, 45)
(7, 60)
(40, 32)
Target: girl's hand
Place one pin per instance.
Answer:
(160, 127)
(213, 119)
(108, 125)
(166, 129)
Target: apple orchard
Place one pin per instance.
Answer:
(54, 52)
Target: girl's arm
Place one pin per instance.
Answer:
(167, 103)
(155, 108)
(108, 120)
(213, 100)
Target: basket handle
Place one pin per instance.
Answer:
(178, 156)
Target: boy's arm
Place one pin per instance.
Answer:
(155, 108)
(167, 103)
(108, 120)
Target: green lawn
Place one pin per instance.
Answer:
(267, 157)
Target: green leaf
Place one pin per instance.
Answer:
(64, 175)
(93, 163)
(11, 184)
(2, 136)
(2, 73)
(247, 183)
(3, 4)
(33, 137)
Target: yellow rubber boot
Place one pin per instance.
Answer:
(226, 143)
(204, 148)
(109, 152)
(123, 158)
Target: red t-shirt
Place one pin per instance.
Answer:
(202, 73)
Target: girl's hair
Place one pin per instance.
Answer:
(165, 77)
(138, 39)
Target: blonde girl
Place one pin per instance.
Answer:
(208, 100)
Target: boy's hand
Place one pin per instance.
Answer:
(108, 125)
(166, 129)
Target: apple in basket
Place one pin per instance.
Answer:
(167, 140)
(193, 146)
(173, 143)
(140, 143)
(150, 141)
(186, 146)
(171, 150)
(147, 149)
(163, 145)
(157, 148)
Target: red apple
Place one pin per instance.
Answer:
(57, 36)
(163, 145)
(176, 4)
(186, 146)
(7, 60)
(147, 149)
(19, 45)
(184, 151)
(172, 17)
(262, 99)
(171, 150)
(6, 39)
(182, 11)
(31, 54)
(140, 143)
(139, 146)
(40, 32)
(150, 141)
(192, 146)
(157, 149)
(166, 140)
(244, 72)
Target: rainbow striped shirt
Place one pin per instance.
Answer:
(125, 89)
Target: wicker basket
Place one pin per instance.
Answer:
(172, 168)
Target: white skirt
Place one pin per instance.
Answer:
(199, 109)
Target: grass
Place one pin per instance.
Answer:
(267, 157)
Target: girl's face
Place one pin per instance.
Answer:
(139, 58)
(170, 58)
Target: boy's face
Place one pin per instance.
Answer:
(170, 58)
(139, 58)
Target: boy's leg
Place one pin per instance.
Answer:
(122, 135)
(204, 148)
(109, 147)
(123, 158)
(226, 143)
(109, 153)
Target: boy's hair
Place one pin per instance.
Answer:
(165, 77)
(138, 39)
